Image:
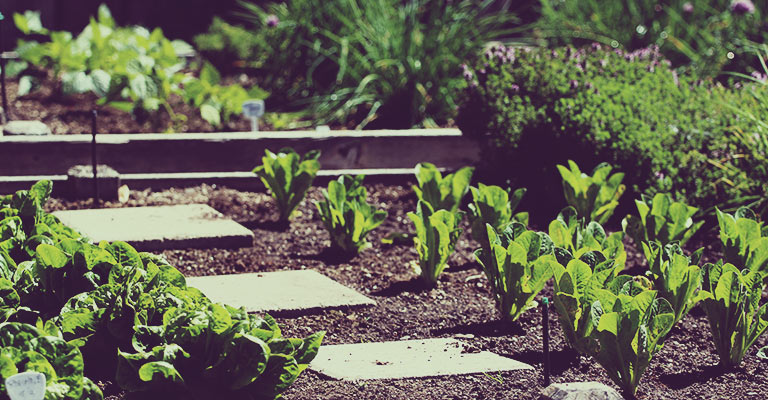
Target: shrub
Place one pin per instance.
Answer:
(288, 177)
(666, 131)
(436, 235)
(696, 32)
(346, 214)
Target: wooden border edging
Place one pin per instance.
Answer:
(234, 152)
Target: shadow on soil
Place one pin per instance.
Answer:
(328, 256)
(560, 360)
(684, 379)
(415, 285)
(495, 328)
(267, 225)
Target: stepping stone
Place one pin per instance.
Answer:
(407, 359)
(159, 228)
(30, 128)
(280, 291)
(579, 391)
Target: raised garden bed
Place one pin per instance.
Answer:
(460, 307)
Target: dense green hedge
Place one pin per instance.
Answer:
(533, 109)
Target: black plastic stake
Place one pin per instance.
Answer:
(545, 328)
(94, 114)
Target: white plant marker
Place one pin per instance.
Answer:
(254, 109)
(28, 385)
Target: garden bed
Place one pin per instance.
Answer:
(461, 306)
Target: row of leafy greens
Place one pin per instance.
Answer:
(118, 314)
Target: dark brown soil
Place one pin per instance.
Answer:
(461, 306)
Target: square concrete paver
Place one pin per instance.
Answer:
(160, 228)
(407, 359)
(284, 291)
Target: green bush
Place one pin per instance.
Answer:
(699, 33)
(532, 109)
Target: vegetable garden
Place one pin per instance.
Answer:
(622, 181)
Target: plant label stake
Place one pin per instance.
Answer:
(28, 385)
(253, 109)
(94, 114)
(545, 328)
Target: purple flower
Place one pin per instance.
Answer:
(596, 46)
(741, 7)
(687, 7)
(574, 84)
(758, 76)
(514, 88)
(660, 175)
(272, 20)
(468, 75)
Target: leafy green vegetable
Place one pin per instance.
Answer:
(435, 240)
(594, 197)
(577, 289)
(288, 177)
(346, 214)
(673, 276)
(517, 263)
(442, 193)
(662, 220)
(212, 352)
(630, 326)
(589, 243)
(730, 298)
(26, 348)
(494, 205)
(744, 240)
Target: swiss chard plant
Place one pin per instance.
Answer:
(676, 276)
(288, 177)
(442, 192)
(578, 287)
(575, 239)
(517, 263)
(128, 68)
(731, 298)
(212, 352)
(630, 327)
(744, 239)
(347, 215)
(24, 348)
(495, 206)
(436, 235)
(661, 219)
(595, 196)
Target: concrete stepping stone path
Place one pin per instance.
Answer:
(284, 291)
(407, 359)
(160, 227)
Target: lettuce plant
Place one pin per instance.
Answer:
(588, 242)
(630, 326)
(744, 240)
(594, 197)
(730, 298)
(24, 347)
(212, 352)
(517, 263)
(436, 235)
(673, 275)
(346, 214)
(442, 193)
(288, 177)
(494, 205)
(577, 289)
(661, 219)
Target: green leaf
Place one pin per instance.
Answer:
(209, 74)
(50, 256)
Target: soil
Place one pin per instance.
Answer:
(461, 306)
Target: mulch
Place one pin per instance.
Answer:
(461, 306)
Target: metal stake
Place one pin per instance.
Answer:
(94, 114)
(545, 328)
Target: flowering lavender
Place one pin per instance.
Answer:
(741, 7)
(272, 20)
